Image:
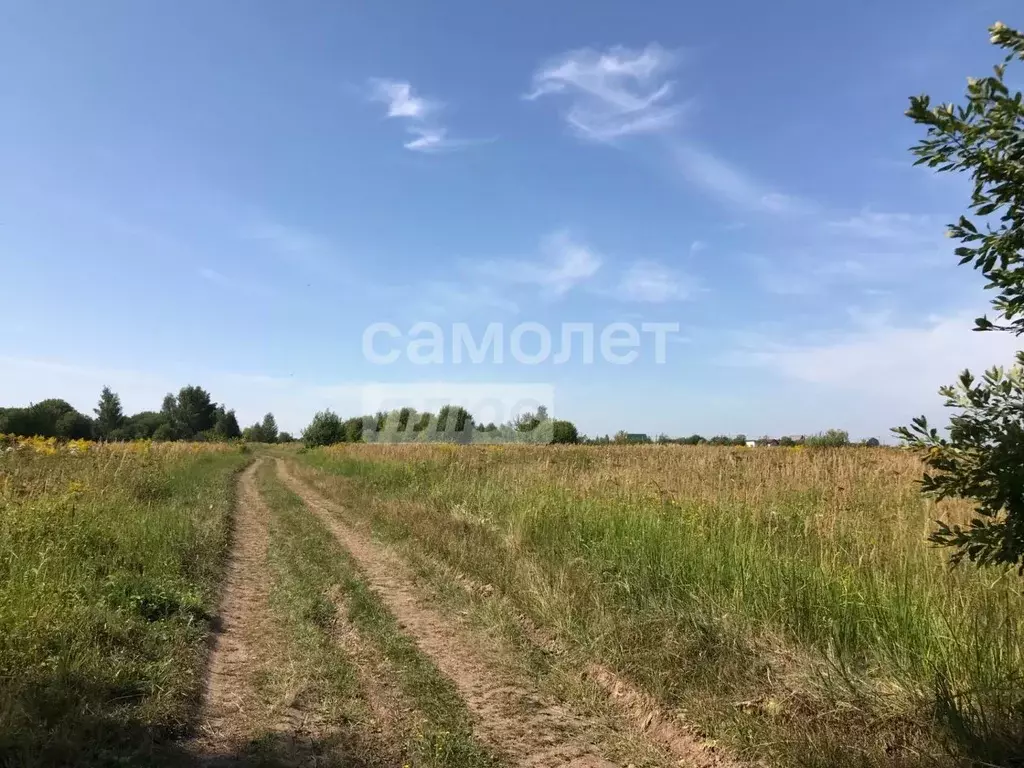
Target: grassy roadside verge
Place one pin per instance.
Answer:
(110, 560)
(315, 579)
(785, 601)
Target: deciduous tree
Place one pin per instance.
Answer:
(982, 459)
(226, 425)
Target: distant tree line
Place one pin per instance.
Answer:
(451, 424)
(833, 438)
(189, 415)
(193, 415)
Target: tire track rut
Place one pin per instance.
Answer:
(508, 716)
(243, 617)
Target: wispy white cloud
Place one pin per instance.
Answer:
(427, 139)
(804, 275)
(564, 264)
(621, 92)
(437, 140)
(903, 362)
(835, 267)
(421, 115)
(571, 263)
(612, 94)
(732, 185)
(654, 283)
(861, 251)
(307, 250)
(891, 226)
(400, 100)
(869, 372)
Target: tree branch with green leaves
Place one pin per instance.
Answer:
(983, 457)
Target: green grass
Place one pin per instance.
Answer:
(109, 566)
(315, 574)
(785, 599)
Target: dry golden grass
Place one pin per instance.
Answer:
(799, 580)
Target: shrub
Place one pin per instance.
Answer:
(565, 432)
(326, 428)
(833, 438)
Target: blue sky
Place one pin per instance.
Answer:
(229, 193)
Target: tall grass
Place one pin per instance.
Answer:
(109, 563)
(785, 597)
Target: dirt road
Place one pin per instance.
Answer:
(509, 715)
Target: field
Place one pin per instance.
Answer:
(471, 606)
(110, 559)
(785, 599)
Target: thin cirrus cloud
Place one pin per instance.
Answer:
(564, 263)
(805, 274)
(892, 226)
(621, 92)
(420, 115)
(234, 284)
(612, 94)
(653, 283)
(846, 271)
(880, 372)
(732, 185)
(879, 352)
(297, 247)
